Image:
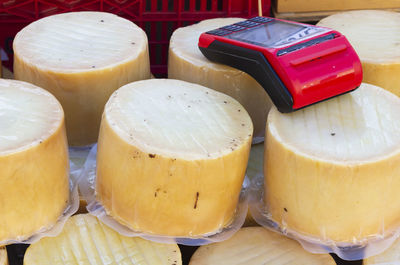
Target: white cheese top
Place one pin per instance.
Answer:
(28, 115)
(178, 119)
(374, 34)
(363, 125)
(79, 41)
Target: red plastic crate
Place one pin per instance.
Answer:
(159, 18)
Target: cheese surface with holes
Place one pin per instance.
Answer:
(375, 35)
(86, 241)
(257, 246)
(332, 170)
(81, 58)
(172, 157)
(186, 62)
(34, 165)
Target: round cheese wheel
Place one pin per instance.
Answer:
(85, 241)
(34, 165)
(172, 157)
(375, 35)
(186, 62)
(257, 246)
(332, 170)
(81, 58)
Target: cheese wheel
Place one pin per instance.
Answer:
(34, 187)
(390, 256)
(85, 241)
(375, 35)
(332, 170)
(3, 256)
(257, 246)
(172, 157)
(186, 62)
(81, 58)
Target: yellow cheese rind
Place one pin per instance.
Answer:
(375, 35)
(147, 177)
(316, 187)
(81, 64)
(85, 241)
(186, 62)
(257, 246)
(34, 188)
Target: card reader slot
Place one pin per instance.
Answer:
(255, 64)
(319, 54)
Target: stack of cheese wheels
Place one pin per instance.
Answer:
(34, 187)
(81, 58)
(3, 256)
(257, 246)
(85, 241)
(390, 256)
(186, 62)
(172, 157)
(375, 35)
(332, 170)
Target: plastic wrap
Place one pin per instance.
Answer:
(359, 249)
(186, 62)
(331, 173)
(83, 78)
(78, 157)
(389, 257)
(56, 228)
(87, 182)
(34, 170)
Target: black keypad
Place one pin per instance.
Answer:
(219, 32)
(247, 24)
(233, 28)
(261, 19)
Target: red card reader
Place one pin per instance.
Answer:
(297, 64)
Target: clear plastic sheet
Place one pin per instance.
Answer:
(71, 208)
(77, 159)
(257, 140)
(86, 184)
(356, 250)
